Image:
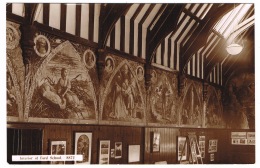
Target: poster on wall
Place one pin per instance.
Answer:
(250, 138)
(118, 150)
(212, 157)
(83, 142)
(202, 146)
(182, 148)
(236, 135)
(156, 142)
(243, 138)
(213, 145)
(133, 153)
(112, 153)
(58, 147)
(104, 149)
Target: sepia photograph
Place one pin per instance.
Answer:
(124, 83)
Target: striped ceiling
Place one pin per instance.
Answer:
(189, 38)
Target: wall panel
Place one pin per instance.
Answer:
(167, 145)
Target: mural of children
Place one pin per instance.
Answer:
(64, 86)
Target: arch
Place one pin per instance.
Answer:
(37, 78)
(109, 83)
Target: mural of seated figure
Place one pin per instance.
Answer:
(49, 94)
(63, 88)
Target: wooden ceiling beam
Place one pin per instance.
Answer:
(30, 10)
(165, 25)
(109, 15)
(200, 35)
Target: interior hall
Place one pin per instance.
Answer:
(130, 83)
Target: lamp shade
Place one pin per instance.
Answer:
(234, 49)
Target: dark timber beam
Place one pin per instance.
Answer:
(200, 35)
(30, 10)
(109, 15)
(165, 25)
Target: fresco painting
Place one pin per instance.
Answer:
(162, 98)
(64, 88)
(191, 111)
(14, 73)
(122, 98)
(214, 110)
(239, 101)
(12, 104)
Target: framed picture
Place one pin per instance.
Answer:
(155, 142)
(112, 153)
(182, 148)
(83, 143)
(58, 147)
(212, 157)
(133, 153)
(118, 150)
(213, 145)
(104, 149)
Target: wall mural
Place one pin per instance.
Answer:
(162, 98)
(191, 113)
(64, 90)
(214, 111)
(122, 92)
(14, 73)
(239, 101)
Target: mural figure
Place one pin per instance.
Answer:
(12, 36)
(49, 94)
(119, 105)
(122, 101)
(214, 117)
(64, 88)
(140, 73)
(42, 45)
(129, 98)
(89, 59)
(191, 113)
(9, 35)
(109, 65)
(162, 105)
(12, 105)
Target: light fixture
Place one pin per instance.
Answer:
(234, 49)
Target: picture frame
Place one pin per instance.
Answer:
(213, 145)
(83, 144)
(212, 158)
(104, 151)
(155, 142)
(182, 148)
(118, 150)
(57, 147)
(133, 153)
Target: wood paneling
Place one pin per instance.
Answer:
(22, 140)
(126, 135)
(167, 146)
